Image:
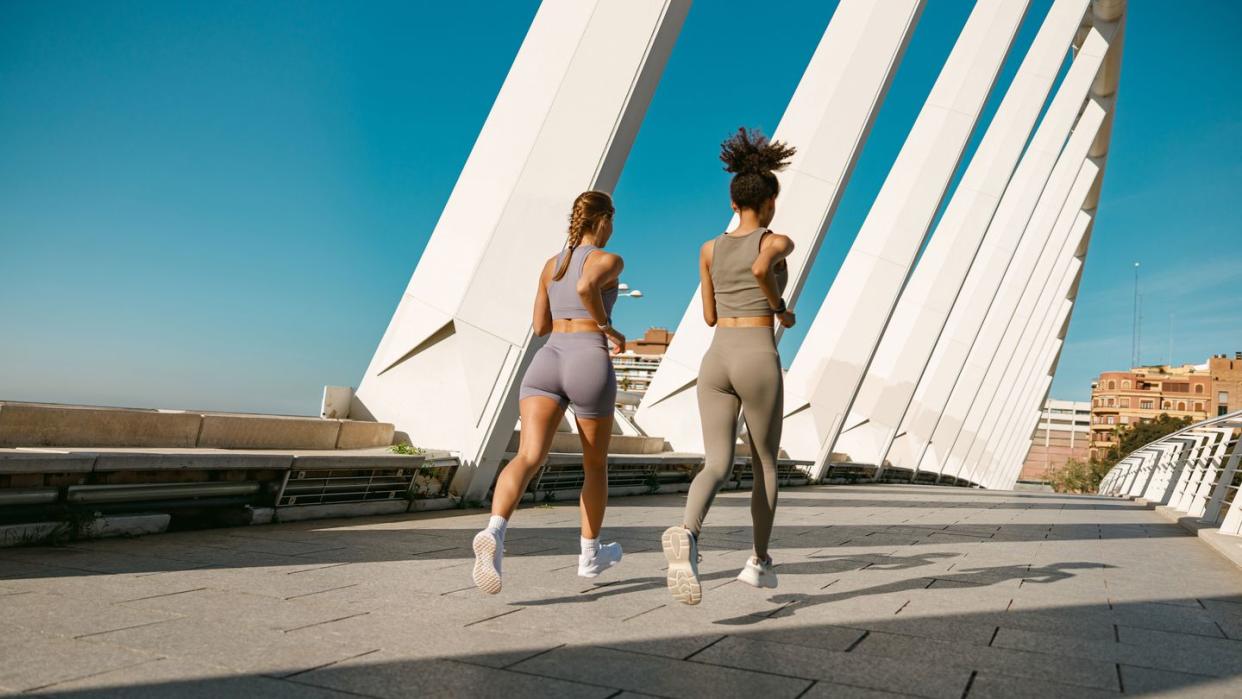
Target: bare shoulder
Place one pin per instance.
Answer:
(606, 261)
(706, 250)
(778, 242)
(549, 268)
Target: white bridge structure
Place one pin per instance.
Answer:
(1194, 472)
(935, 346)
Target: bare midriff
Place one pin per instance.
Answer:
(575, 325)
(745, 322)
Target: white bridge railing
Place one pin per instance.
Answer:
(1194, 470)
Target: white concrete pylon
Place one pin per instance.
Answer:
(920, 313)
(979, 319)
(1007, 448)
(1029, 374)
(983, 470)
(851, 319)
(1000, 461)
(447, 368)
(828, 120)
(1042, 284)
(996, 252)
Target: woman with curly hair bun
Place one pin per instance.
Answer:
(743, 274)
(577, 290)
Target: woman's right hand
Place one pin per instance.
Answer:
(616, 338)
(786, 319)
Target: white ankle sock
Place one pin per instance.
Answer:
(589, 546)
(498, 524)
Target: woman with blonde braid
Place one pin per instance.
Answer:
(742, 275)
(577, 290)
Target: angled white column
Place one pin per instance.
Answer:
(1024, 322)
(924, 306)
(1022, 195)
(1030, 374)
(839, 344)
(828, 120)
(1007, 448)
(1027, 391)
(979, 319)
(993, 470)
(446, 370)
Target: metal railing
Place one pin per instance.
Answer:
(1194, 470)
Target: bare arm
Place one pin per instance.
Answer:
(542, 322)
(601, 271)
(773, 250)
(705, 284)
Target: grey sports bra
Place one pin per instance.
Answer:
(563, 292)
(737, 291)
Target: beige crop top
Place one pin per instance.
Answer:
(737, 291)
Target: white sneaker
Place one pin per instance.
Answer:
(758, 573)
(682, 553)
(489, 551)
(605, 557)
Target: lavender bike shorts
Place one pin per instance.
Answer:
(573, 369)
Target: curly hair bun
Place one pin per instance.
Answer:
(751, 153)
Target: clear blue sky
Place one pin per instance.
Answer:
(216, 205)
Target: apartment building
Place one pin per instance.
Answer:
(1064, 433)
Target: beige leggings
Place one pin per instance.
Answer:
(741, 371)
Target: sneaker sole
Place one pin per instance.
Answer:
(486, 577)
(682, 582)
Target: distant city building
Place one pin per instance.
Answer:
(1064, 433)
(637, 365)
(1196, 391)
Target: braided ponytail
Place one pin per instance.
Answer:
(589, 209)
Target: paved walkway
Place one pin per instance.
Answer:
(937, 592)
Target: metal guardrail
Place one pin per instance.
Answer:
(336, 484)
(1194, 470)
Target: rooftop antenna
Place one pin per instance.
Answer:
(1134, 321)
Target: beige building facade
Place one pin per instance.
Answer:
(1195, 391)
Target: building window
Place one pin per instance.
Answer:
(1222, 410)
(1181, 405)
(1222, 397)
(1125, 402)
(1147, 405)
(1112, 419)
(1198, 388)
(1110, 402)
(1198, 406)
(1125, 383)
(1112, 385)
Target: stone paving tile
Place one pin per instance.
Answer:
(830, 690)
(74, 616)
(232, 647)
(662, 676)
(1171, 656)
(986, 685)
(906, 676)
(382, 675)
(33, 662)
(1137, 680)
(1083, 672)
(184, 679)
